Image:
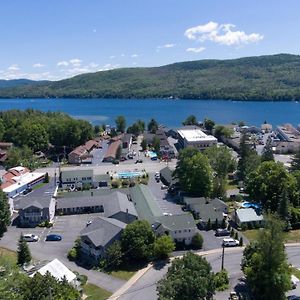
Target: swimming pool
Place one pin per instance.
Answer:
(125, 175)
(152, 154)
(251, 205)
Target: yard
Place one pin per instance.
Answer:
(292, 236)
(93, 292)
(8, 254)
(126, 271)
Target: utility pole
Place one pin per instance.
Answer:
(223, 252)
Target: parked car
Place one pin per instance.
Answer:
(88, 222)
(167, 214)
(130, 156)
(233, 296)
(27, 191)
(116, 162)
(138, 161)
(53, 237)
(30, 237)
(229, 242)
(154, 158)
(222, 232)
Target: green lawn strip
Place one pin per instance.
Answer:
(292, 236)
(94, 292)
(36, 187)
(126, 271)
(296, 272)
(8, 254)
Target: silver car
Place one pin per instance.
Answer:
(30, 237)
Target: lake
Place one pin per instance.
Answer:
(166, 111)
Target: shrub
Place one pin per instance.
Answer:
(115, 184)
(221, 280)
(125, 182)
(197, 241)
(144, 181)
(72, 254)
(236, 236)
(241, 242)
(244, 227)
(131, 184)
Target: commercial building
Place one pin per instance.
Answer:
(76, 178)
(18, 179)
(194, 137)
(287, 139)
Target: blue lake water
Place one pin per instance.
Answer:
(166, 111)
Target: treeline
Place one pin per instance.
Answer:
(37, 129)
(273, 77)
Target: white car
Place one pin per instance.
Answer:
(30, 237)
(229, 242)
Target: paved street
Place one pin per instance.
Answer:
(68, 227)
(145, 287)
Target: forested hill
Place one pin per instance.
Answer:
(18, 82)
(273, 77)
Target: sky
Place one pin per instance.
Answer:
(52, 40)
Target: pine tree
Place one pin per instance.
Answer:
(46, 179)
(267, 154)
(24, 255)
(295, 163)
(4, 213)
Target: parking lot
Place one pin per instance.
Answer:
(68, 227)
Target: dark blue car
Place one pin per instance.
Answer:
(53, 237)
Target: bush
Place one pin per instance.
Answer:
(197, 241)
(115, 184)
(131, 184)
(241, 242)
(244, 227)
(72, 254)
(208, 225)
(236, 236)
(144, 181)
(125, 183)
(221, 280)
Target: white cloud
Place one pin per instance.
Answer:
(168, 46)
(13, 67)
(76, 62)
(62, 63)
(223, 34)
(112, 56)
(38, 65)
(93, 65)
(134, 55)
(195, 50)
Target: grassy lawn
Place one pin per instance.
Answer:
(296, 272)
(9, 254)
(231, 184)
(125, 272)
(36, 187)
(93, 292)
(292, 236)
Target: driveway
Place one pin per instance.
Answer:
(69, 228)
(98, 154)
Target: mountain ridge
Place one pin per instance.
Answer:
(268, 77)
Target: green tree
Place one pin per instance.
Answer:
(24, 255)
(267, 184)
(136, 128)
(156, 144)
(267, 154)
(197, 241)
(194, 172)
(137, 240)
(190, 120)
(113, 255)
(4, 213)
(163, 247)
(221, 160)
(46, 179)
(222, 131)
(187, 278)
(152, 126)
(20, 156)
(265, 263)
(2, 129)
(208, 124)
(144, 144)
(221, 280)
(120, 124)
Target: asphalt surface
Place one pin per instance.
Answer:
(69, 228)
(145, 287)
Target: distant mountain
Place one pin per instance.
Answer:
(18, 82)
(272, 77)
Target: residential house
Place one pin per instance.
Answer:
(35, 210)
(245, 216)
(167, 178)
(98, 236)
(59, 271)
(127, 141)
(206, 209)
(16, 180)
(181, 228)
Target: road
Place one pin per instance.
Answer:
(145, 287)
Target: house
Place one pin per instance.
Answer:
(98, 236)
(166, 177)
(196, 138)
(112, 151)
(16, 180)
(206, 209)
(114, 205)
(76, 178)
(245, 216)
(181, 228)
(127, 141)
(35, 210)
(59, 271)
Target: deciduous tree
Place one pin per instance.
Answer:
(163, 247)
(152, 126)
(120, 124)
(190, 120)
(4, 213)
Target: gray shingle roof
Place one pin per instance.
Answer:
(177, 222)
(248, 215)
(40, 202)
(102, 230)
(167, 174)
